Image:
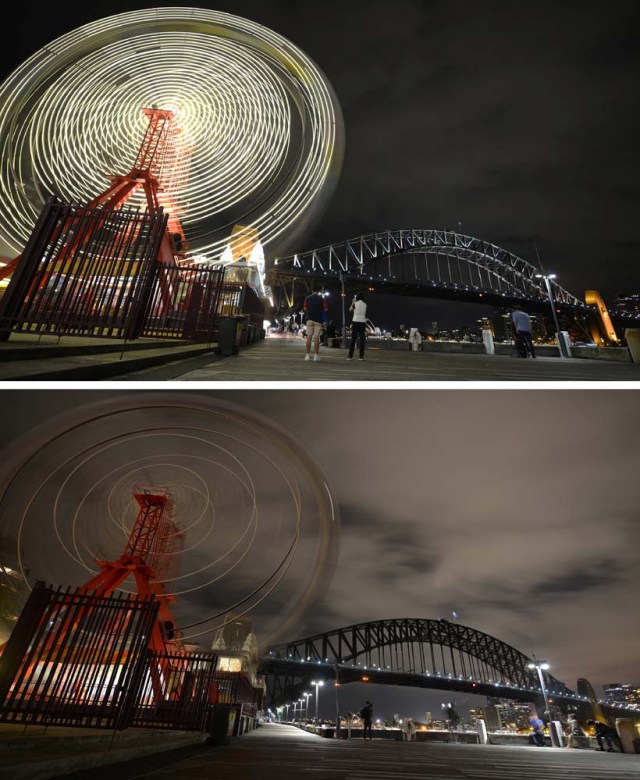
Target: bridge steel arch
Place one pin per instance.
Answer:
(432, 259)
(410, 651)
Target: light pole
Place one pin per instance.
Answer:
(306, 705)
(337, 684)
(317, 683)
(287, 712)
(547, 281)
(539, 666)
(344, 316)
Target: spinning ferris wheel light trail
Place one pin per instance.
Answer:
(256, 529)
(261, 134)
(153, 166)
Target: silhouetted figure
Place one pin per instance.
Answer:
(366, 713)
(522, 328)
(605, 733)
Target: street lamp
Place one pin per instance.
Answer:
(317, 683)
(547, 281)
(344, 318)
(306, 706)
(539, 666)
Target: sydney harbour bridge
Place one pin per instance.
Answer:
(419, 653)
(439, 264)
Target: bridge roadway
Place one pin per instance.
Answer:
(282, 752)
(281, 359)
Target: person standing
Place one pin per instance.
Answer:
(358, 325)
(366, 713)
(522, 327)
(409, 730)
(315, 308)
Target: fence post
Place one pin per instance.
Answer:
(22, 278)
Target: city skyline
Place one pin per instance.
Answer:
(514, 123)
(514, 509)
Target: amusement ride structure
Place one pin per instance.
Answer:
(156, 163)
(150, 553)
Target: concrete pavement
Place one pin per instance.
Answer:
(282, 752)
(282, 359)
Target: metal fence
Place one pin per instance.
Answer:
(94, 272)
(183, 699)
(184, 303)
(84, 271)
(77, 659)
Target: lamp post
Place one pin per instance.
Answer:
(317, 683)
(306, 705)
(286, 706)
(337, 684)
(547, 281)
(344, 316)
(539, 666)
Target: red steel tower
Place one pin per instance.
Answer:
(152, 548)
(154, 165)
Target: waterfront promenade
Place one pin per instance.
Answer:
(282, 752)
(281, 359)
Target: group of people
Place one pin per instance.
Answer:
(605, 734)
(316, 310)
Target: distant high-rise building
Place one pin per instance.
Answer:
(627, 304)
(624, 694)
(513, 715)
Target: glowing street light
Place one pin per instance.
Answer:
(317, 683)
(306, 706)
(547, 281)
(539, 666)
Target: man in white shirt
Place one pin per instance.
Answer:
(358, 325)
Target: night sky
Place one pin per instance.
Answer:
(515, 509)
(514, 122)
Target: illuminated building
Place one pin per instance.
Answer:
(627, 304)
(624, 694)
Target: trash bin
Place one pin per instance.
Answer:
(227, 330)
(632, 335)
(219, 726)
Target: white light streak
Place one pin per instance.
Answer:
(261, 124)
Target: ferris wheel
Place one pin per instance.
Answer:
(258, 129)
(255, 517)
